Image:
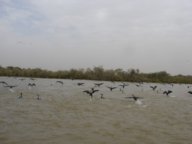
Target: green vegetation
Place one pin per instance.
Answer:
(97, 73)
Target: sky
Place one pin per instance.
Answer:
(149, 35)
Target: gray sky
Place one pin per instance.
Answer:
(151, 35)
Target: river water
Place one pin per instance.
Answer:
(64, 114)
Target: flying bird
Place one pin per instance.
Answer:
(98, 84)
(10, 86)
(123, 85)
(111, 88)
(135, 98)
(190, 92)
(90, 92)
(153, 87)
(60, 82)
(167, 92)
(31, 84)
(4, 83)
(80, 84)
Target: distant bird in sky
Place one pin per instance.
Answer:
(111, 88)
(167, 92)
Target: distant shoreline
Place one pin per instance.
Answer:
(97, 73)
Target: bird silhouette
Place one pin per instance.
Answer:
(91, 92)
(167, 92)
(60, 82)
(21, 95)
(102, 97)
(10, 86)
(4, 83)
(123, 85)
(153, 87)
(111, 88)
(98, 84)
(80, 84)
(31, 84)
(135, 98)
(190, 92)
(38, 97)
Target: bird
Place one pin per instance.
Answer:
(31, 84)
(4, 83)
(79, 84)
(111, 88)
(190, 92)
(38, 97)
(167, 92)
(102, 97)
(21, 95)
(138, 85)
(10, 86)
(153, 87)
(32, 79)
(135, 98)
(98, 84)
(91, 92)
(60, 82)
(123, 85)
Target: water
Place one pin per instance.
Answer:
(66, 115)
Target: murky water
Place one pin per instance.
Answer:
(64, 114)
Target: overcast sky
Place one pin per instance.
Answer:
(151, 35)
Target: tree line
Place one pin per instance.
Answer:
(96, 73)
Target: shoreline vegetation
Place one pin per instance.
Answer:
(97, 73)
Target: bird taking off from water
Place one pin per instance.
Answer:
(167, 92)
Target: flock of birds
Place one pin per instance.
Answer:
(95, 89)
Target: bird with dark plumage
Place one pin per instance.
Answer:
(123, 85)
(153, 87)
(80, 84)
(3, 82)
(31, 84)
(98, 84)
(60, 82)
(111, 88)
(135, 98)
(90, 92)
(38, 97)
(167, 92)
(102, 97)
(10, 86)
(21, 95)
(190, 92)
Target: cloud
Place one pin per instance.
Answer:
(86, 32)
